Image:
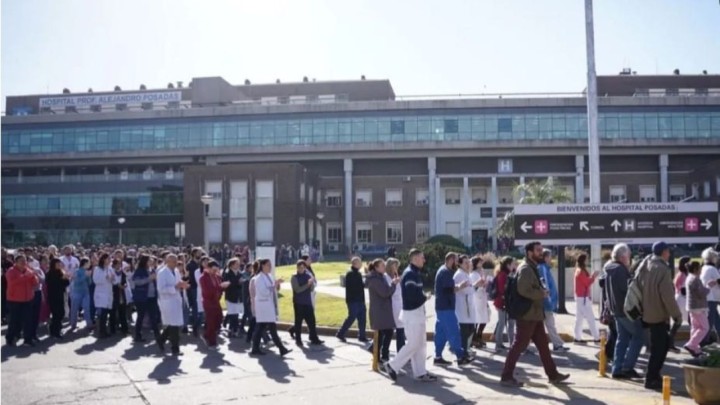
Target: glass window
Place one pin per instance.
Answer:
(452, 196)
(334, 232)
(363, 232)
(451, 126)
(504, 125)
(422, 197)
(648, 193)
(333, 198)
(422, 231)
(393, 197)
(393, 232)
(397, 127)
(363, 198)
(617, 194)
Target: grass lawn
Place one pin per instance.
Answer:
(330, 310)
(323, 271)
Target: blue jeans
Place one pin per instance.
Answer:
(503, 321)
(447, 330)
(356, 311)
(630, 341)
(75, 303)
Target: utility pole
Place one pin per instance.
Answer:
(592, 113)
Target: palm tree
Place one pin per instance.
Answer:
(534, 192)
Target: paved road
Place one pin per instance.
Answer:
(114, 371)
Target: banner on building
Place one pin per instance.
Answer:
(88, 100)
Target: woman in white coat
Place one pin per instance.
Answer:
(265, 308)
(465, 302)
(480, 282)
(391, 271)
(170, 287)
(103, 278)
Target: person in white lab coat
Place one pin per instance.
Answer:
(170, 286)
(265, 308)
(465, 302)
(392, 267)
(200, 318)
(104, 278)
(480, 281)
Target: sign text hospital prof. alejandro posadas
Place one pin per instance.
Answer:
(633, 223)
(106, 99)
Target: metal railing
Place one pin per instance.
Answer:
(91, 178)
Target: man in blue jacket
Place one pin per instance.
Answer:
(551, 302)
(413, 317)
(447, 328)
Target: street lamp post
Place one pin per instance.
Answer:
(320, 216)
(206, 200)
(121, 221)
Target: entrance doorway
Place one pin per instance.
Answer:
(480, 240)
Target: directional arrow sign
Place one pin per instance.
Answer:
(631, 223)
(525, 227)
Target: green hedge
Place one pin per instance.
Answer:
(449, 241)
(434, 258)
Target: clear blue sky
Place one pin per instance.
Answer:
(422, 46)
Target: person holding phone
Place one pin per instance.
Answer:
(212, 287)
(583, 300)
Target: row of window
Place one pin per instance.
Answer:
(364, 232)
(477, 127)
(106, 204)
(65, 236)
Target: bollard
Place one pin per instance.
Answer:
(376, 351)
(666, 389)
(602, 365)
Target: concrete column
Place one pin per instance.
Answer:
(432, 199)
(522, 193)
(348, 167)
(494, 211)
(466, 228)
(664, 178)
(106, 172)
(439, 220)
(62, 175)
(579, 179)
(20, 176)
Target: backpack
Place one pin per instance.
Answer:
(491, 289)
(515, 304)
(633, 300)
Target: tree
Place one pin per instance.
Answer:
(534, 192)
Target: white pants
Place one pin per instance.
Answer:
(585, 312)
(415, 346)
(682, 303)
(552, 330)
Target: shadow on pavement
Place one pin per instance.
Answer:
(321, 354)
(276, 368)
(214, 361)
(168, 367)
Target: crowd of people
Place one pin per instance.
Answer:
(174, 291)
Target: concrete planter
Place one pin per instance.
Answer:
(702, 383)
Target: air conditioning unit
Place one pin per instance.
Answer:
(334, 247)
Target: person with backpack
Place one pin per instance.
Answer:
(498, 284)
(658, 307)
(551, 301)
(630, 335)
(525, 302)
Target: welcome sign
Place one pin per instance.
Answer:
(104, 99)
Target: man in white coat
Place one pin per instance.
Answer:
(170, 286)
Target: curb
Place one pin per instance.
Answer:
(354, 333)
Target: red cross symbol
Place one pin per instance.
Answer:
(541, 227)
(692, 224)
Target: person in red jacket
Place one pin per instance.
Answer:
(502, 272)
(212, 287)
(21, 282)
